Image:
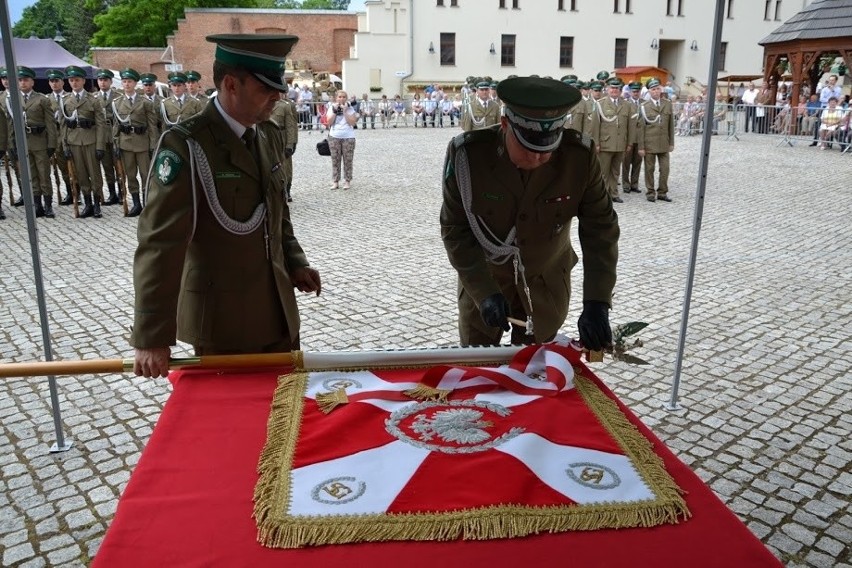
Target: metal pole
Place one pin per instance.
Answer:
(61, 444)
(699, 201)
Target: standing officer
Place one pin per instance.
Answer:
(135, 134)
(656, 140)
(179, 106)
(284, 115)
(105, 96)
(193, 87)
(616, 132)
(41, 140)
(482, 111)
(632, 159)
(576, 115)
(4, 134)
(83, 136)
(149, 88)
(218, 259)
(509, 195)
(56, 80)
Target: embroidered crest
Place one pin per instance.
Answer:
(593, 475)
(167, 166)
(338, 490)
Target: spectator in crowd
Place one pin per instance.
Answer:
(765, 111)
(749, 100)
(418, 111)
(831, 89)
(341, 119)
(448, 111)
(367, 109)
(720, 111)
(430, 108)
(830, 121)
(810, 123)
(399, 112)
(306, 100)
(385, 110)
(457, 107)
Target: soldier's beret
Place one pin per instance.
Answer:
(193, 76)
(261, 54)
(105, 74)
(128, 73)
(26, 72)
(148, 78)
(652, 82)
(536, 110)
(615, 82)
(74, 71)
(55, 74)
(602, 76)
(635, 85)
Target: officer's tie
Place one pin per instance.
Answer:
(250, 139)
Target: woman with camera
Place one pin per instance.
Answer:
(341, 118)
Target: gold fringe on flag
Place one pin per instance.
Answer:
(328, 401)
(277, 529)
(423, 392)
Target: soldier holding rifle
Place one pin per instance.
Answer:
(56, 79)
(135, 133)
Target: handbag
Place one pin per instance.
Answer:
(323, 148)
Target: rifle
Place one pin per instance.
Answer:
(75, 192)
(121, 176)
(56, 177)
(9, 180)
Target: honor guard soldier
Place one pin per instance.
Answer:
(135, 133)
(41, 140)
(218, 260)
(149, 88)
(83, 134)
(56, 80)
(616, 132)
(4, 135)
(592, 121)
(284, 115)
(632, 160)
(179, 106)
(509, 196)
(482, 111)
(575, 117)
(656, 140)
(193, 87)
(105, 96)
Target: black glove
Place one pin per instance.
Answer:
(68, 154)
(593, 325)
(50, 151)
(494, 310)
(288, 152)
(99, 154)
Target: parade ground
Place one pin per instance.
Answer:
(767, 373)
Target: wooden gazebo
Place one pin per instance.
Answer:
(822, 28)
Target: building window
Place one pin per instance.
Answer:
(441, 3)
(502, 4)
(627, 7)
(448, 49)
(620, 52)
(766, 9)
(454, 3)
(573, 5)
(560, 5)
(669, 7)
(566, 51)
(730, 9)
(680, 7)
(507, 50)
(777, 10)
(723, 55)
(616, 8)
(515, 5)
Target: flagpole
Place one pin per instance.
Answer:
(699, 202)
(62, 444)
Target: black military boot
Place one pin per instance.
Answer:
(113, 198)
(19, 202)
(2, 215)
(69, 196)
(88, 210)
(96, 207)
(48, 207)
(137, 206)
(39, 208)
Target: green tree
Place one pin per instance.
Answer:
(70, 17)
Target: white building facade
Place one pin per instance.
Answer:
(402, 45)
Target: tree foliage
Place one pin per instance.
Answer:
(70, 17)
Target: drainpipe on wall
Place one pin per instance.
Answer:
(410, 47)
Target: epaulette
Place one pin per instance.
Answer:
(474, 136)
(188, 127)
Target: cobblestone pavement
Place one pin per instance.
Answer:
(766, 377)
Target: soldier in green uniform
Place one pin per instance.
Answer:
(135, 134)
(56, 80)
(574, 119)
(149, 88)
(616, 132)
(509, 196)
(105, 96)
(632, 160)
(41, 141)
(218, 260)
(83, 135)
(656, 140)
(284, 115)
(179, 106)
(481, 111)
(193, 87)
(4, 134)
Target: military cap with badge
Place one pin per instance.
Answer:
(177, 77)
(55, 74)
(148, 78)
(261, 54)
(26, 73)
(129, 73)
(536, 110)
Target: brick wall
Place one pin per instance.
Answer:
(324, 40)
